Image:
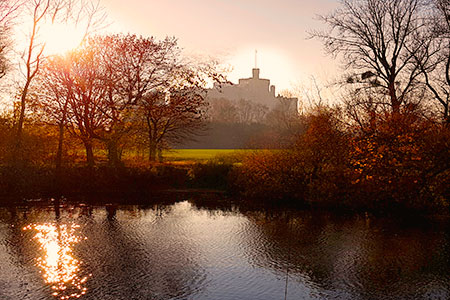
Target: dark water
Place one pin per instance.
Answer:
(180, 251)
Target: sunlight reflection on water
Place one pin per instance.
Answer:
(59, 266)
(188, 250)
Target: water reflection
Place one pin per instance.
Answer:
(58, 264)
(190, 251)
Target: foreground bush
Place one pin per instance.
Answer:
(34, 182)
(401, 162)
(314, 170)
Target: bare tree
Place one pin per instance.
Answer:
(54, 87)
(134, 67)
(432, 54)
(3, 50)
(42, 12)
(176, 110)
(249, 112)
(87, 102)
(8, 14)
(172, 117)
(376, 39)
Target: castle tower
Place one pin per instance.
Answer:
(255, 72)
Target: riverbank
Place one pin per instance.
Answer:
(213, 182)
(35, 182)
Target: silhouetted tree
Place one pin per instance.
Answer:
(433, 54)
(87, 104)
(172, 117)
(54, 86)
(42, 12)
(134, 67)
(8, 14)
(376, 39)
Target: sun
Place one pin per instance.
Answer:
(59, 38)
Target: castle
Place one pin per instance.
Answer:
(256, 90)
(247, 114)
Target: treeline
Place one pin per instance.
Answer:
(112, 90)
(245, 124)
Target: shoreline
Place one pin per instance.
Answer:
(209, 183)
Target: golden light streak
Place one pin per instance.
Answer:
(59, 266)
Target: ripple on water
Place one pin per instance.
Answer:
(182, 252)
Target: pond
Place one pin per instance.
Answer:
(185, 251)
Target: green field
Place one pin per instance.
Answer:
(201, 154)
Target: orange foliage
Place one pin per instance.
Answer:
(402, 162)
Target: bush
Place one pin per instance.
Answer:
(213, 174)
(402, 162)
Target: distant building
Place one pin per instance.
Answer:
(254, 89)
(247, 114)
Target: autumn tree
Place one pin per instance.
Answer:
(134, 67)
(376, 39)
(176, 110)
(36, 14)
(54, 87)
(87, 102)
(172, 117)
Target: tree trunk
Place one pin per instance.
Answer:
(159, 152)
(113, 154)
(395, 103)
(89, 154)
(17, 152)
(152, 151)
(59, 151)
(21, 120)
(446, 115)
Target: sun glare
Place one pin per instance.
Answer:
(59, 266)
(60, 38)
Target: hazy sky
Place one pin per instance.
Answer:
(231, 30)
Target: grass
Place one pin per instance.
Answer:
(201, 154)
(173, 156)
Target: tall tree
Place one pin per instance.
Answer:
(134, 67)
(87, 101)
(43, 12)
(178, 111)
(432, 54)
(172, 117)
(376, 39)
(54, 88)
(8, 13)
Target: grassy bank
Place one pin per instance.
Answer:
(319, 173)
(137, 182)
(203, 155)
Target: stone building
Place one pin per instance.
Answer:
(245, 115)
(256, 90)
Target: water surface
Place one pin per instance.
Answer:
(181, 251)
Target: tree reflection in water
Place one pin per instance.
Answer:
(195, 251)
(59, 266)
(349, 257)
